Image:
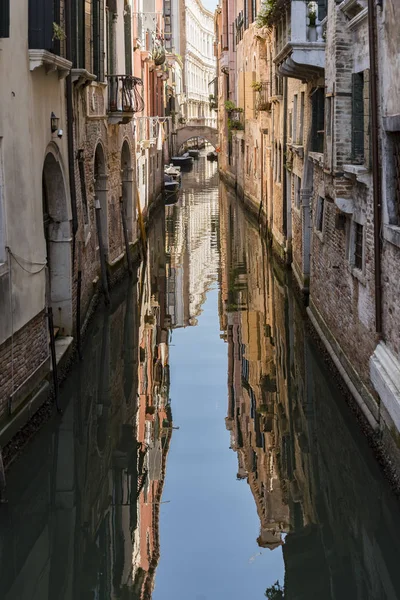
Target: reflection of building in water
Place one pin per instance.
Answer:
(307, 466)
(82, 520)
(153, 417)
(192, 245)
(251, 373)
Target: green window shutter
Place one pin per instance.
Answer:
(318, 124)
(128, 40)
(357, 120)
(322, 9)
(4, 18)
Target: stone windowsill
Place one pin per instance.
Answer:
(345, 205)
(298, 149)
(358, 173)
(319, 234)
(317, 158)
(355, 169)
(352, 8)
(51, 62)
(82, 77)
(358, 274)
(358, 20)
(391, 233)
(120, 117)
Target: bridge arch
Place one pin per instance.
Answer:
(188, 132)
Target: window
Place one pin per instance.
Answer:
(81, 165)
(78, 33)
(294, 122)
(290, 126)
(329, 116)
(4, 18)
(297, 187)
(317, 125)
(247, 161)
(98, 38)
(301, 122)
(128, 39)
(394, 207)
(358, 246)
(41, 16)
(319, 220)
(357, 118)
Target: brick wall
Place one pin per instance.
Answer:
(29, 348)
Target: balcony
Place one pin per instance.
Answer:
(262, 93)
(147, 132)
(46, 37)
(300, 44)
(124, 99)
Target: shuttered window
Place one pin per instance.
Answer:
(4, 18)
(42, 15)
(318, 114)
(78, 33)
(357, 118)
(98, 38)
(394, 214)
(128, 40)
(322, 9)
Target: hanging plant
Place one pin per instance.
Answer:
(231, 106)
(58, 33)
(257, 86)
(267, 13)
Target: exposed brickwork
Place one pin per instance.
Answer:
(28, 348)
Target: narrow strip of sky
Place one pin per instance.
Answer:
(210, 4)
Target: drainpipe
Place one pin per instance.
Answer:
(70, 128)
(373, 84)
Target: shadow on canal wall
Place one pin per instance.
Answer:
(318, 489)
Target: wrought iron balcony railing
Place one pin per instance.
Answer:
(263, 95)
(124, 98)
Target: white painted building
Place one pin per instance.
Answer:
(199, 62)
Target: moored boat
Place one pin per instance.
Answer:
(212, 156)
(182, 161)
(194, 153)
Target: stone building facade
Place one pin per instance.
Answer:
(83, 138)
(197, 47)
(327, 189)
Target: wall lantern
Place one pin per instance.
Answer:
(54, 122)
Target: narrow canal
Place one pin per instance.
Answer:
(205, 451)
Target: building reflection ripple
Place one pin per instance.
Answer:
(317, 488)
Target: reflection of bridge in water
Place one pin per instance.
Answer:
(204, 127)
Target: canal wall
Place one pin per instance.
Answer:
(374, 417)
(37, 395)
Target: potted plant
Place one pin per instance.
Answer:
(257, 86)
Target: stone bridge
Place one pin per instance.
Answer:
(202, 127)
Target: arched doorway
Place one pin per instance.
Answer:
(128, 201)
(57, 233)
(100, 192)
